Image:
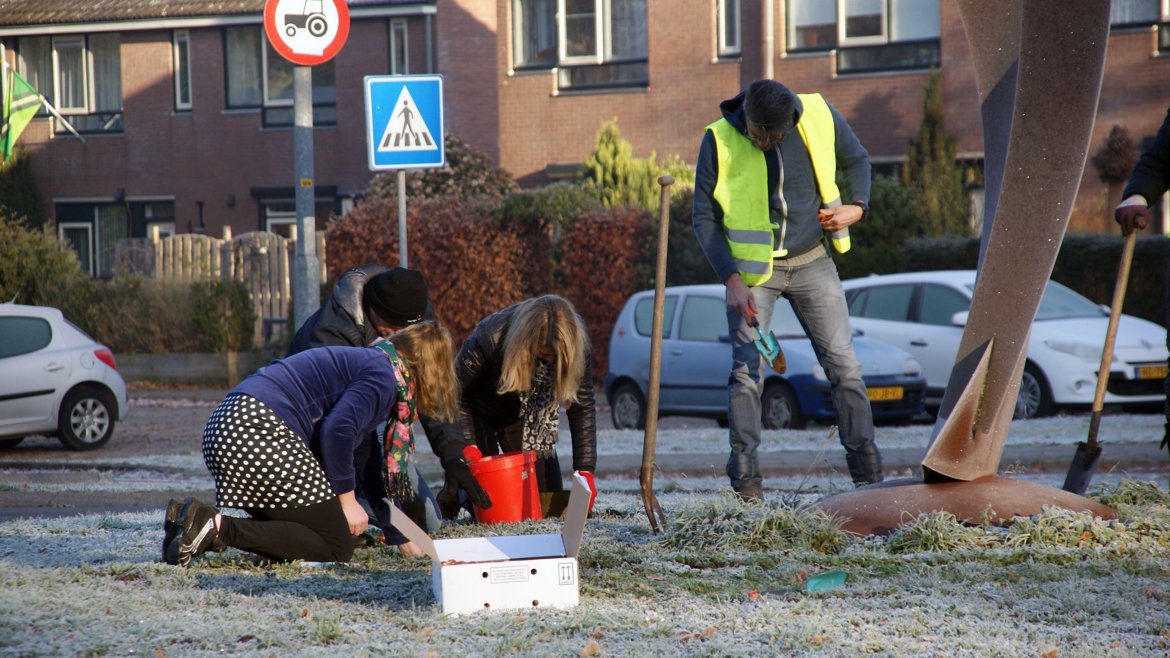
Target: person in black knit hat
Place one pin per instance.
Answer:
(369, 302)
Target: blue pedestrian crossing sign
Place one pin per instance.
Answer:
(404, 121)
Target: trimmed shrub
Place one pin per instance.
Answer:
(538, 218)
(19, 197)
(34, 264)
(617, 178)
(685, 262)
(469, 173)
(932, 170)
(473, 267)
(223, 314)
(894, 218)
(605, 256)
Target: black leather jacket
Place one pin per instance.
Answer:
(341, 320)
(478, 368)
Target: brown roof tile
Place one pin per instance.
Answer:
(49, 12)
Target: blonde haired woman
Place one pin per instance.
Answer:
(282, 444)
(515, 371)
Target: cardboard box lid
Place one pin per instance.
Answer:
(511, 547)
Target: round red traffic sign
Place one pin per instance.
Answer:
(306, 32)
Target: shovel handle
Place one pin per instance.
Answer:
(653, 509)
(1111, 335)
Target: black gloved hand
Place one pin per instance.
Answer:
(1132, 218)
(459, 477)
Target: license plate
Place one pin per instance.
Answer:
(885, 393)
(1151, 372)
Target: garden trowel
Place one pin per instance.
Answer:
(768, 346)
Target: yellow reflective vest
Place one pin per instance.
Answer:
(742, 186)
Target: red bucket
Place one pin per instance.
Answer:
(510, 480)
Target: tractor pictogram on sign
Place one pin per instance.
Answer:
(312, 19)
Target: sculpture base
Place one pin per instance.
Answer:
(879, 509)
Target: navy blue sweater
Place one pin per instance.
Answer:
(330, 397)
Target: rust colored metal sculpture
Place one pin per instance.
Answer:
(1038, 68)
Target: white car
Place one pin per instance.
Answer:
(924, 314)
(54, 379)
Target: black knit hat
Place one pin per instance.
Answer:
(398, 296)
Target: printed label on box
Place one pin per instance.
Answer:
(567, 573)
(509, 574)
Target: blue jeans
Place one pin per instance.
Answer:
(819, 301)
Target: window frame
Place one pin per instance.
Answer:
(726, 49)
(563, 17)
(880, 39)
(55, 48)
(324, 112)
(45, 333)
(396, 26)
(89, 246)
(181, 57)
(39, 60)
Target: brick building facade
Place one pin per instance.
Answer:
(525, 84)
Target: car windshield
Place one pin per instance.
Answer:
(1061, 302)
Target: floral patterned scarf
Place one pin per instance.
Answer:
(398, 438)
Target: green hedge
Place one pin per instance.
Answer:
(1085, 263)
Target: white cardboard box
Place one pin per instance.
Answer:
(505, 573)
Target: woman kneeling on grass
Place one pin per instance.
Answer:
(281, 446)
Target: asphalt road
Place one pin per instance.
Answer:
(155, 455)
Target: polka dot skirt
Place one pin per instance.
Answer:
(257, 461)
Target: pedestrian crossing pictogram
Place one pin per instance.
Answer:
(407, 130)
(404, 121)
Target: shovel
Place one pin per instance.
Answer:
(646, 473)
(1089, 451)
(769, 347)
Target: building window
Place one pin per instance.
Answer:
(79, 75)
(259, 78)
(399, 60)
(534, 34)
(79, 237)
(182, 56)
(868, 35)
(729, 38)
(104, 227)
(1164, 28)
(1131, 13)
(593, 43)
(863, 22)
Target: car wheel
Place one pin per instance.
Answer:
(1034, 400)
(86, 419)
(628, 408)
(7, 444)
(780, 409)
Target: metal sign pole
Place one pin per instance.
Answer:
(306, 267)
(402, 217)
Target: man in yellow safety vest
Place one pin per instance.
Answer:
(766, 208)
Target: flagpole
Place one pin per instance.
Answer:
(53, 110)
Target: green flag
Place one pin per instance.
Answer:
(21, 103)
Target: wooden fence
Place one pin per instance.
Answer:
(262, 261)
